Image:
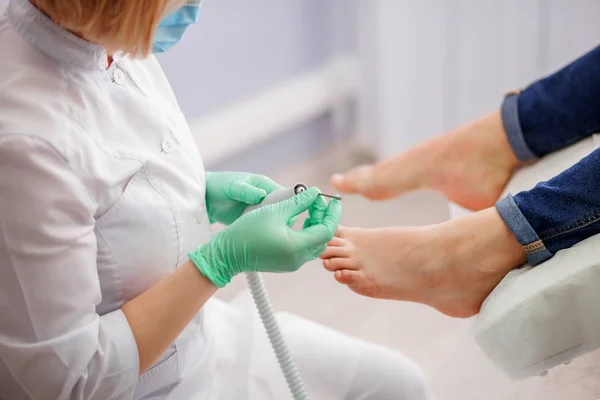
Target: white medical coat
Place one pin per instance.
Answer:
(102, 194)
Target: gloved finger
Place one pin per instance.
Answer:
(298, 204)
(316, 211)
(307, 223)
(318, 251)
(245, 192)
(292, 221)
(320, 234)
(265, 183)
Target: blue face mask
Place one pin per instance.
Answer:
(173, 26)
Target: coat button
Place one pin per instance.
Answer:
(119, 77)
(168, 145)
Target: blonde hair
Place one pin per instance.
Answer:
(116, 25)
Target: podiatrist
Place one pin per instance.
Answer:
(107, 260)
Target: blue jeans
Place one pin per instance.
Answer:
(550, 114)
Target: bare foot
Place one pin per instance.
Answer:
(470, 165)
(452, 266)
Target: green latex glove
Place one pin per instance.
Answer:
(229, 193)
(316, 216)
(263, 241)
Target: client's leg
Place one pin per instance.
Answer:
(470, 165)
(337, 367)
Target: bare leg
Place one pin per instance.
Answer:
(451, 266)
(470, 165)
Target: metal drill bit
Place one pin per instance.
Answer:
(331, 196)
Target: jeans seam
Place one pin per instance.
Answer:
(581, 223)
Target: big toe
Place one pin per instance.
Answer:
(356, 180)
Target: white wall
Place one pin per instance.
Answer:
(439, 64)
(241, 48)
(404, 56)
(571, 29)
(238, 48)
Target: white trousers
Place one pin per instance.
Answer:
(333, 365)
(337, 366)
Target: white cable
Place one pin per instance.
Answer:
(267, 315)
(266, 312)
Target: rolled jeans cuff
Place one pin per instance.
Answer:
(535, 248)
(512, 127)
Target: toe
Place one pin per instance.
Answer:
(354, 181)
(342, 183)
(347, 277)
(334, 252)
(340, 231)
(335, 264)
(337, 242)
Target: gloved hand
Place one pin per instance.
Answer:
(229, 193)
(262, 240)
(316, 216)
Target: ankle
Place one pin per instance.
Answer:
(492, 124)
(475, 254)
(485, 242)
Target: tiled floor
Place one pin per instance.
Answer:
(420, 332)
